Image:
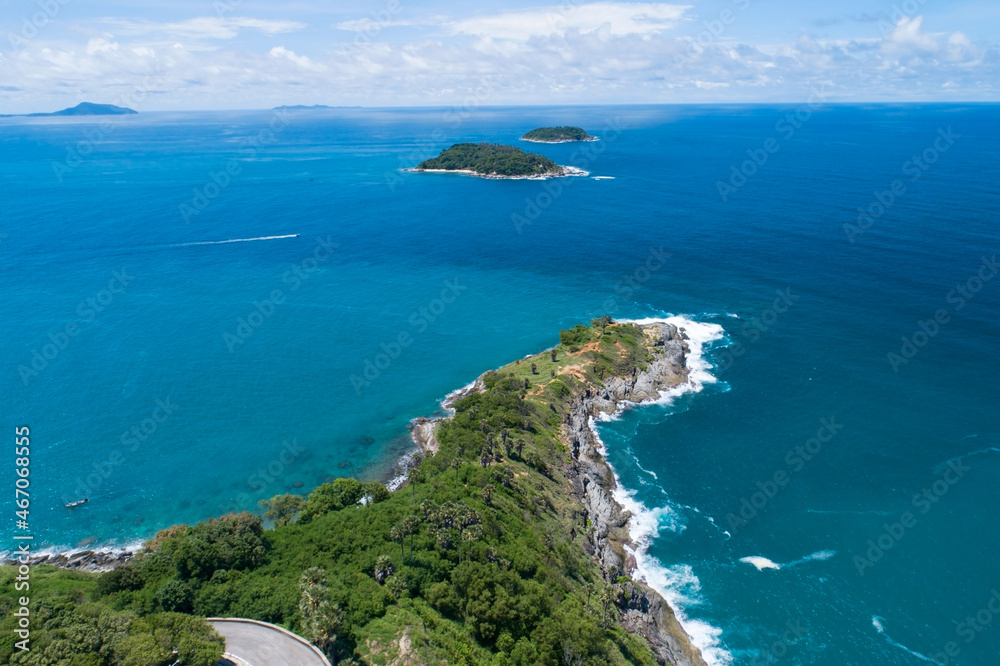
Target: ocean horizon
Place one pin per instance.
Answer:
(206, 309)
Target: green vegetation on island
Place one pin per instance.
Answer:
(491, 159)
(486, 558)
(557, 135)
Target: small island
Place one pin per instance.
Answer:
(563, 134)
(492, 160)
(81, 109)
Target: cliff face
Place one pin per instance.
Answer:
(643, 610)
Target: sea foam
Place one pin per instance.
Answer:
(762, 562)
(678, 584)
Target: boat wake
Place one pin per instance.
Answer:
(877, 623)
(762, 562)
(233, 240)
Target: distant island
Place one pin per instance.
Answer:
(81, 109)
(493, 160)
(563, 134)
(314, 107)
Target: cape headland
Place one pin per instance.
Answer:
(505, 544)
(564, 134)
(493, 160)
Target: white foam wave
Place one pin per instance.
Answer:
(877, 623)
(235, 240)
(699, 335)
(762, 562)
(677, 584)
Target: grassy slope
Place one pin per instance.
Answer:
(525, 592)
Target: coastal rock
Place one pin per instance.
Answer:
(644, 611)
(84, 560)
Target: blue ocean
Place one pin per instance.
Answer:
(201, 310)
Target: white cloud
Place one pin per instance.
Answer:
(369, 25)
(205, 27)
(611, 18)
(595, 56)
(300, 61)
(101, 45)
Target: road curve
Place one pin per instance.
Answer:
(262, 644)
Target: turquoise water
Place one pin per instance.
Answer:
(251, 405)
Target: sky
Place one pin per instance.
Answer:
(249, 54)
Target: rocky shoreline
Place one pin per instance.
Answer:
(590, 139)
(643, 610)
(96, 561)
(563, 172)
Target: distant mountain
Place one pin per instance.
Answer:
(82, 109)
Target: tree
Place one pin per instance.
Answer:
(374, 492)
(404, 528)
(340, 494)
(383, 568)
(415, 475)
(282, 509)
(601, 322)
(176, 596)
(321, 616)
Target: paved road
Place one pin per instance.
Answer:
(260, 644)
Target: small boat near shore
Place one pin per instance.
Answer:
(77, 503)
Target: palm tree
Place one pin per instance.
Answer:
(398, 534)
(404, 528)
(321, 616)
(415, 475)
(410, 525)
(383, 568)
